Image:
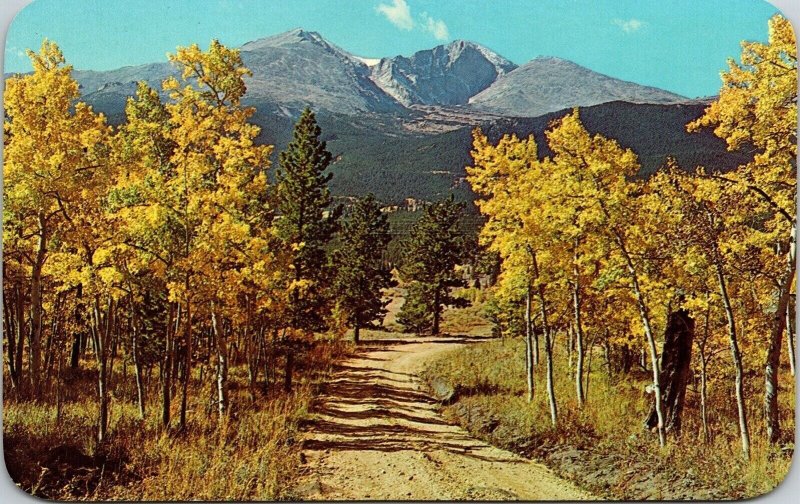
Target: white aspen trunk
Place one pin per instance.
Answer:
(102, 331)
(704, 379)
(704, 398)
(737, 362)
(772, 365)
(166, 372)
(529, 344)
(548, 347)
(570, 348)
(187, 366)
(589, 367)
(576, 302)
(790, 337)
(137, 369)
(651, 341)
(222, 368)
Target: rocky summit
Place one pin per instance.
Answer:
(445, 75)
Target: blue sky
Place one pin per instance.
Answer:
(678, 45)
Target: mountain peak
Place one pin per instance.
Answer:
(308, 36)
(547, 84)
(444, 75)
(295, 36)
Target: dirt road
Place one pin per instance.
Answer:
(377, 435)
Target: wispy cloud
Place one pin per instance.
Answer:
(436, 27)
(629, 25)
(398, 13)
(15, 51)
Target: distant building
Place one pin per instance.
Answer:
(413, 204)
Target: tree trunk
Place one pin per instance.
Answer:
(287, 376)
(35, 355)
(137, 368)
(102, 332)
(187, 356)
(356, 329)
(772, 366)
(704, 377)
(529, 344)
(548, 346)
(20, 329)
(535, 333)
(570, 346)
(737, 363)
(222, 368)
(644, 313)
(10, 330)
(436, 309)
(59, 380)
(589, 367)
(576, 304)
(254, 362)
(790, 336)
(676, 359)
(166, 378)
(75, 353)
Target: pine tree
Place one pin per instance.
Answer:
(360, 276)
(306, 224)
(434, 249)
(416, 314)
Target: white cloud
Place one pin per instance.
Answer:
(629, 25)
(436, 27)
(15, 51)
(399, 14)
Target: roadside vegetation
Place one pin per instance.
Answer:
(682, 285)
(604, 447)
(252, 454)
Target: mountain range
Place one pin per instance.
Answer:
(400, 126)
(300, 68)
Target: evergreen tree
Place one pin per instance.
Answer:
(360, 276)
(416, 314)
(434, 249)
(306, 224)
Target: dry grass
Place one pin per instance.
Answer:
(491, 375)
(252, 455)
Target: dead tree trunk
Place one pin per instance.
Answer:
(676, 358)
(772, 364)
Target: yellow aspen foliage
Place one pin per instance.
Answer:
(757, 109)
(54, 169)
